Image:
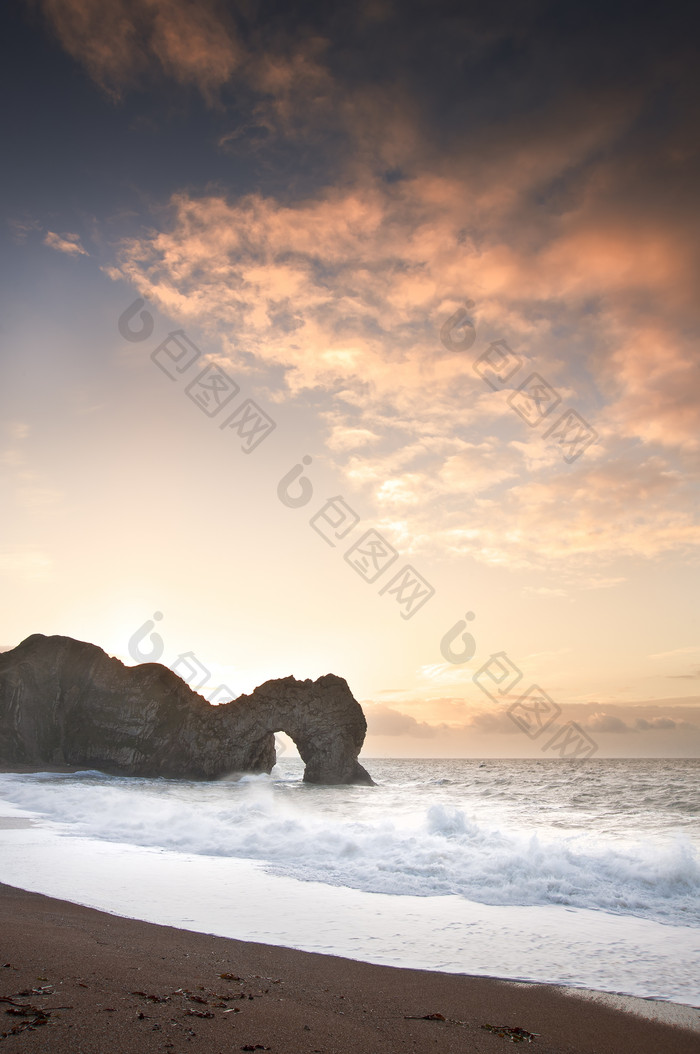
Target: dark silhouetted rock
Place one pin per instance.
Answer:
(65, 702)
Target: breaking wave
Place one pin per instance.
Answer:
(344, 839)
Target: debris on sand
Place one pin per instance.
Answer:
(517, 1035)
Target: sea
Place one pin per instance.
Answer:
(583, 873)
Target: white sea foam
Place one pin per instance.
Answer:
(392, 840)
(581, 874)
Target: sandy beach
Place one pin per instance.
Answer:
(79, 980)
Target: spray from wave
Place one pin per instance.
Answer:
(430, 851)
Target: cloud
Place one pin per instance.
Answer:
(119, 41)
(126, 44)
(384, 721)
(454, 726)
(459, 715)
(656, 724)
(21, 229)
(605, 723)
(65, 243)
(694, 675)
(449, 717)
(490, 721)
(580, 519)
(343, 437)
(625, 721)
(657, 386)
(444, 673)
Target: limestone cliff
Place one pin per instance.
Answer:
(65, 702)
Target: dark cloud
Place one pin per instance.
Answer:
(655, 724)
(606, 723)
(488, 721)
(625, 721)
(383, 721)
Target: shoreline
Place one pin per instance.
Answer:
(556, 951)
(114, 983)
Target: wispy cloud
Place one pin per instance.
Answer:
(125, 44)
(694, 675)
(120, 42)
(22, 228)
(65, 243)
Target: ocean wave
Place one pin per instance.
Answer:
(436, 850)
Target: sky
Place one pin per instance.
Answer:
(362, 341)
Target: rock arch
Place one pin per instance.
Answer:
(65, 702)
(322, 717)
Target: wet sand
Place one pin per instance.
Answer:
(82, 981)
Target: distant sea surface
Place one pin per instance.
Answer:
(582, 873)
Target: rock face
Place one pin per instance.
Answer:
(65, 702)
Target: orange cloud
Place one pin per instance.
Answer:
(122, 42)
(119, 40)
(657, 386)
(65, 243)
(338, 289)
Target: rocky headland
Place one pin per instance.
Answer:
(66, 702)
